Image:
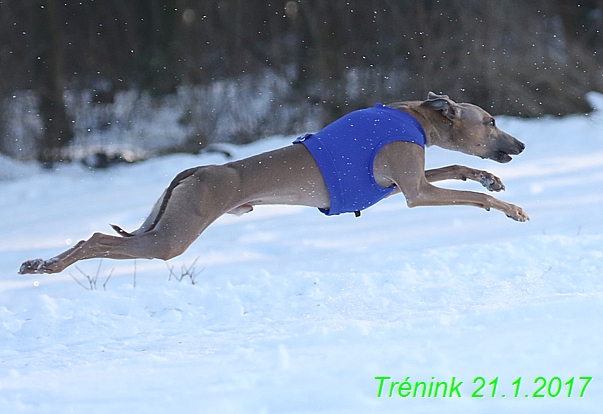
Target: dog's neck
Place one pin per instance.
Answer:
(437, 127)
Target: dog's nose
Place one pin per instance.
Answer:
(514, 146)
(521, 146)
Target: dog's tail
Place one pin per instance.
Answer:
(121, 231)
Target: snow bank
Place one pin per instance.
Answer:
(11, 169)
(295, 312)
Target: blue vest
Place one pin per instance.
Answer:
(345, 152)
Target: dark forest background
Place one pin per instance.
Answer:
(316, 59)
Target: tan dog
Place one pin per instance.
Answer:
(290, 175)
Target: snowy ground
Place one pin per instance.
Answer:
(295, 312)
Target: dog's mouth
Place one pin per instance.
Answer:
(502, 157)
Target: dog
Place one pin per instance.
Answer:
(392, 138)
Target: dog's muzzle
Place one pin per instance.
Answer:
(510, 146)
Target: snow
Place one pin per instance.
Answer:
(285, 310)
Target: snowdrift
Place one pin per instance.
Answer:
(285, 310)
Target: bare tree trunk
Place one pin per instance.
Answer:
(58, 131)
(326, 62)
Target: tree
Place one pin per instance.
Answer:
(509, 56)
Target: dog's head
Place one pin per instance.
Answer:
(473, 130)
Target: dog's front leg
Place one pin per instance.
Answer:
(430, 195)
(460, 172)
(403, 163)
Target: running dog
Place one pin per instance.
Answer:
(346, 167)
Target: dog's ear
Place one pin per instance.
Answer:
(433, 96)
(442, 103)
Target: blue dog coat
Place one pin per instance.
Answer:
(346, 149)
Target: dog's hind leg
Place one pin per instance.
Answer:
(98, 246)
(159, 207)
(188, 206)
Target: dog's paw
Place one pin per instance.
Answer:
(38, 266)
(490, 181)
(517, 214)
